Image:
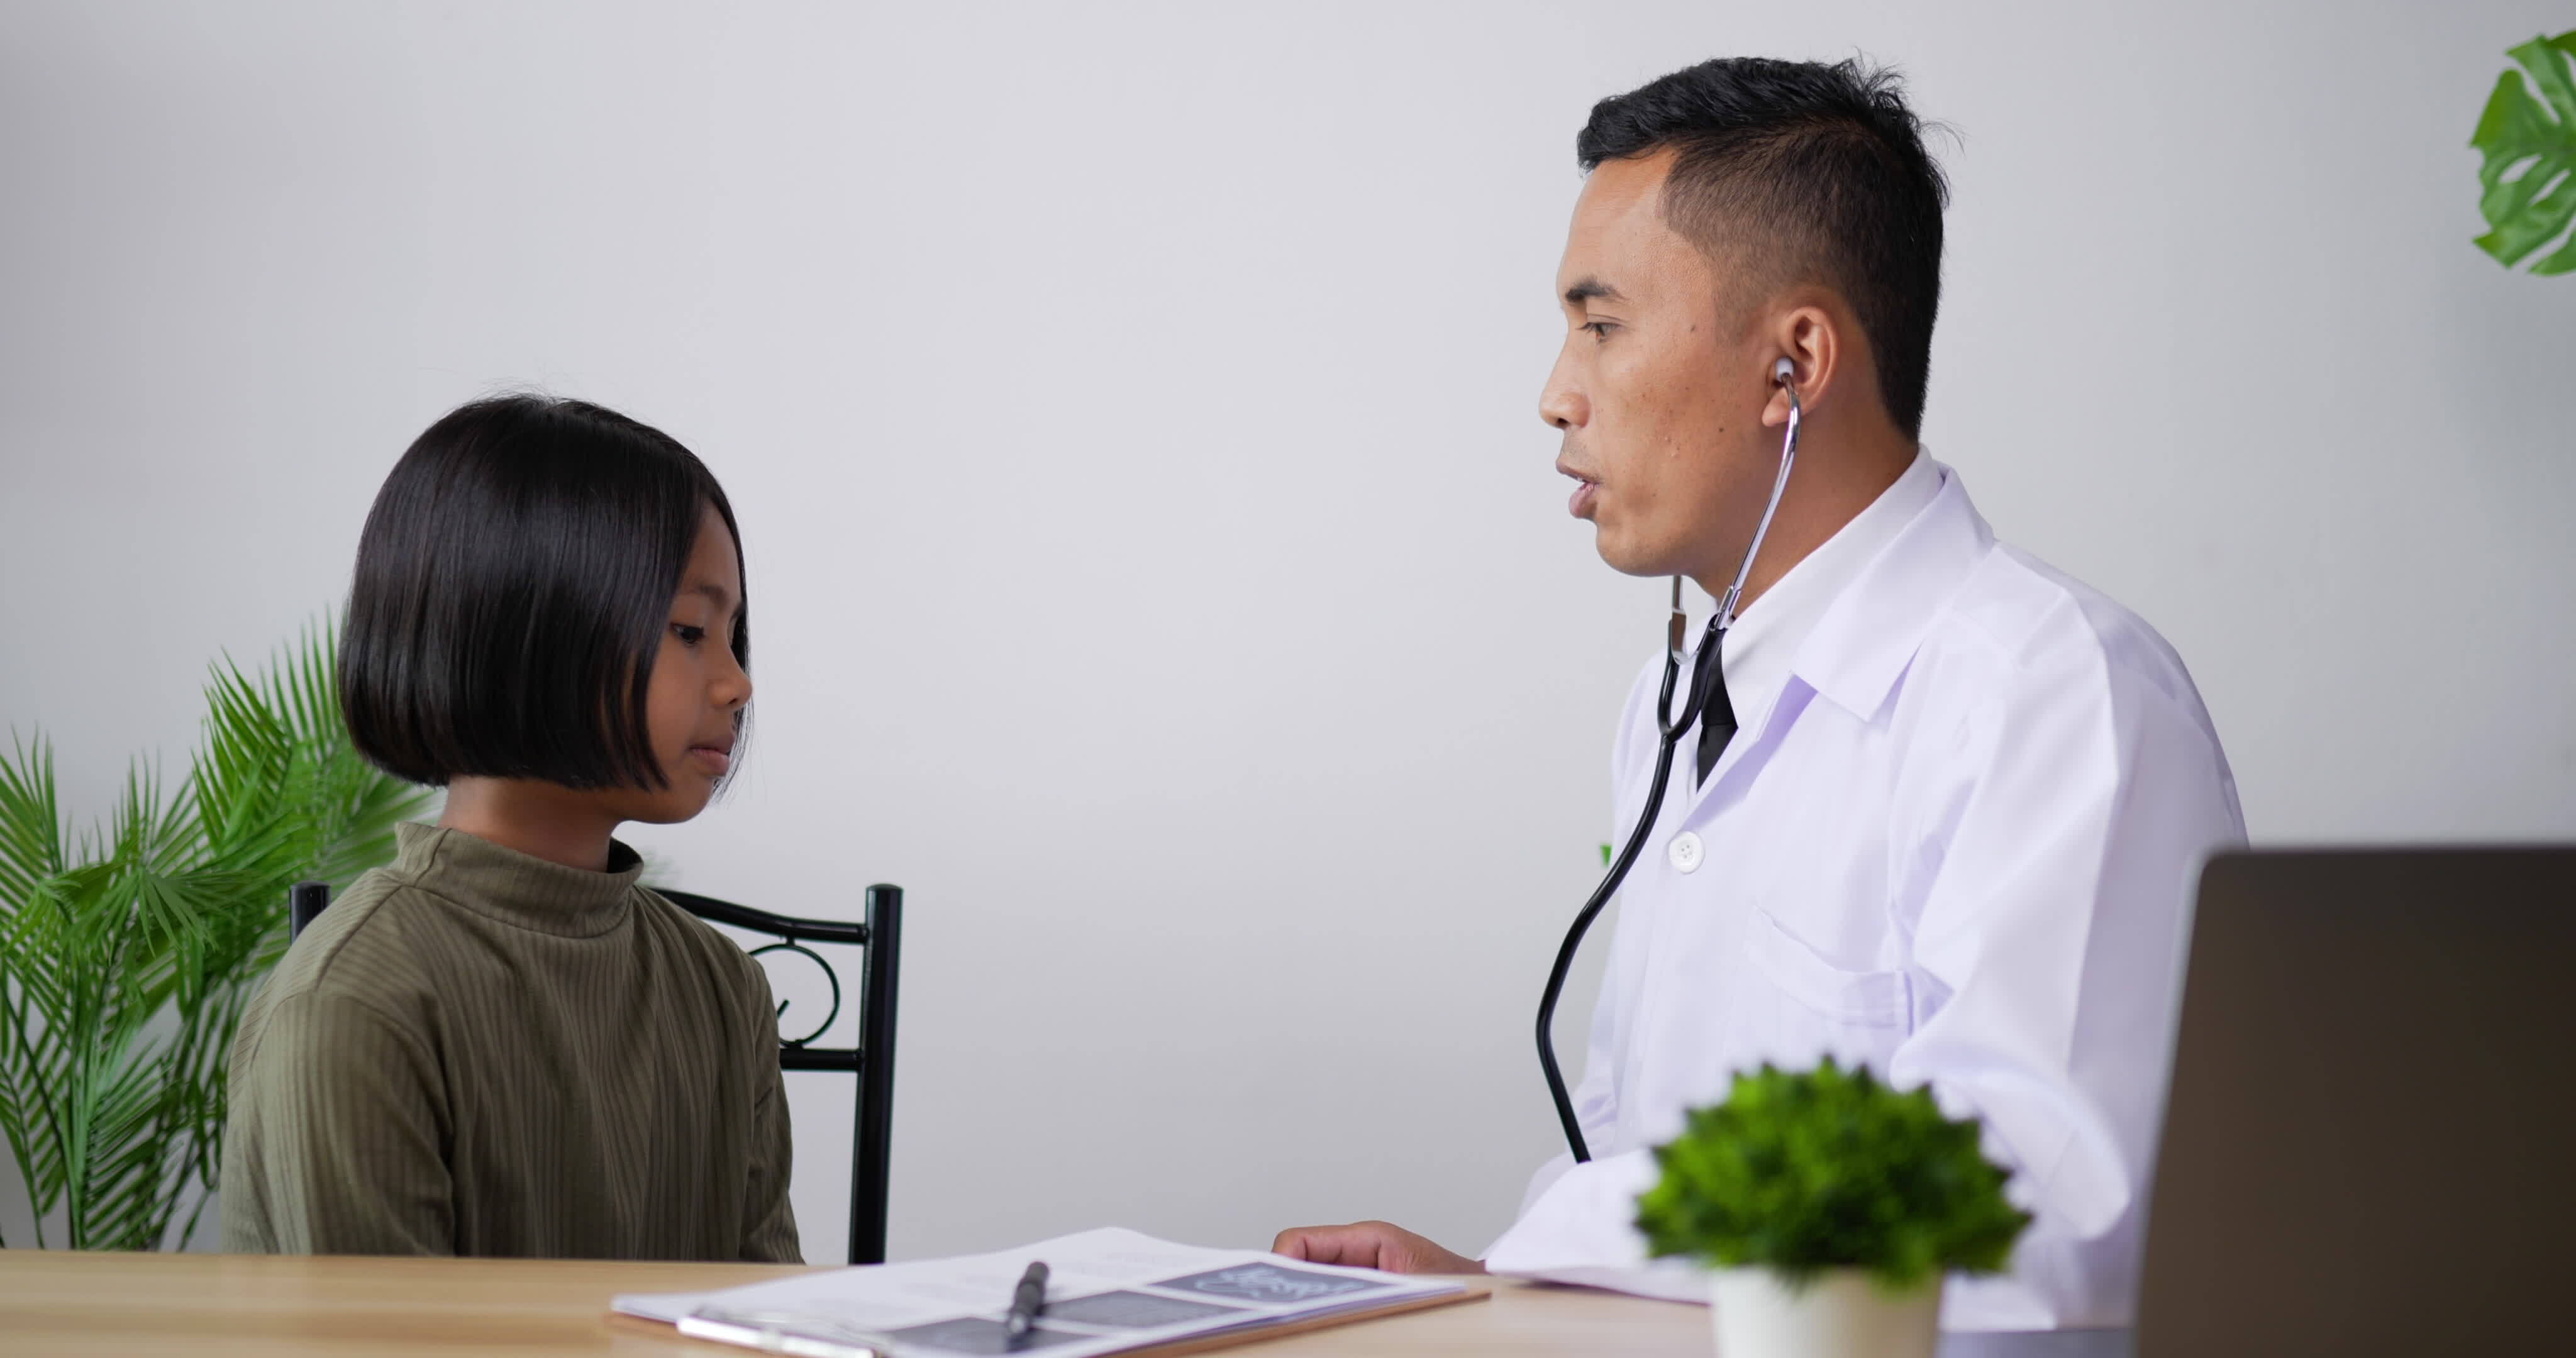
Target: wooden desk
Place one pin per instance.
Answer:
(218, 1306)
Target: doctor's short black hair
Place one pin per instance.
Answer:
(514, 582)
(1823, 164)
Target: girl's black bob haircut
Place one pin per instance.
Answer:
(514, 582)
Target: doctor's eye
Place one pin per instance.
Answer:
(1600, 329)
(689, 636)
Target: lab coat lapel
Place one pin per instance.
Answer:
(1868, 635)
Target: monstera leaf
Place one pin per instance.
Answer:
(2530, 150)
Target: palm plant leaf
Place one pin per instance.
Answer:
(31, 824)
(126, 957)
(31, 1066)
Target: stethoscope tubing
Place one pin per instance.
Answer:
(1600, 897)
(1671, 729)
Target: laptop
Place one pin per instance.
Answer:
(2370, 1144)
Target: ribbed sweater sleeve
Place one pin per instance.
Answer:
(770, 1234)
(336, 1148)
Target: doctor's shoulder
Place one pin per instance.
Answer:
(2024, 646)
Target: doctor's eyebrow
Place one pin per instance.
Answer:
(1589, 288)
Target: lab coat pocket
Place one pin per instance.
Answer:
(1815, 1008)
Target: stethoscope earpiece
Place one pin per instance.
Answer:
(1784, 372)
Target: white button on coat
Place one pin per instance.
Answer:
(1956, 841)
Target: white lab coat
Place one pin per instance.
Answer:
(1959, 843)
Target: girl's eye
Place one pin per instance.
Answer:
(689, 636)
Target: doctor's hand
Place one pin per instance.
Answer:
(1371, 1244)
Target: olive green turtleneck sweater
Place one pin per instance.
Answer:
(478, 1052)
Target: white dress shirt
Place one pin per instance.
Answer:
(1956, 839)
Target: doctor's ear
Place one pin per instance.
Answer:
(1801, 359)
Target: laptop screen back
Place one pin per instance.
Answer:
(2370, 1146)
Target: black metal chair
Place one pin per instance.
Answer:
(871, 1060)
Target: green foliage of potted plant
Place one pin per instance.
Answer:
(128, 951)
(2527, 140)
(1828, 1207)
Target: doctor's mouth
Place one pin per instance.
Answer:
(1587, 492)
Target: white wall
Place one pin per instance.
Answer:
(1158, 566)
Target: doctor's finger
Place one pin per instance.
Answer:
(1294, 1243)
(1354, 1246)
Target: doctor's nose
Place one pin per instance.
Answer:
(1561, 405)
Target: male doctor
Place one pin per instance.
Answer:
(1948, 806)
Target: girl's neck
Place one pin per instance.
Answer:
(542, 820)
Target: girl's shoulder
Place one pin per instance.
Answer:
(694, 935)
(739, 984)
(358, 951)
(355, 941)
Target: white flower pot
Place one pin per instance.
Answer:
(1843, 1313)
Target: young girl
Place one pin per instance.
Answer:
(501, 1045)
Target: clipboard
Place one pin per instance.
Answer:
(1173, 1348)
(1206, 1343)
(1125, 1293)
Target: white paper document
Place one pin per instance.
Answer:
(1108, 1291)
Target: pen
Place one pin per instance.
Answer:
(1027, 1300)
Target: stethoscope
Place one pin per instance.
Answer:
(1702, 675)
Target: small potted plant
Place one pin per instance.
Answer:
(1827, 1207)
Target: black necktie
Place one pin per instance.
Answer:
(1716, 714)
